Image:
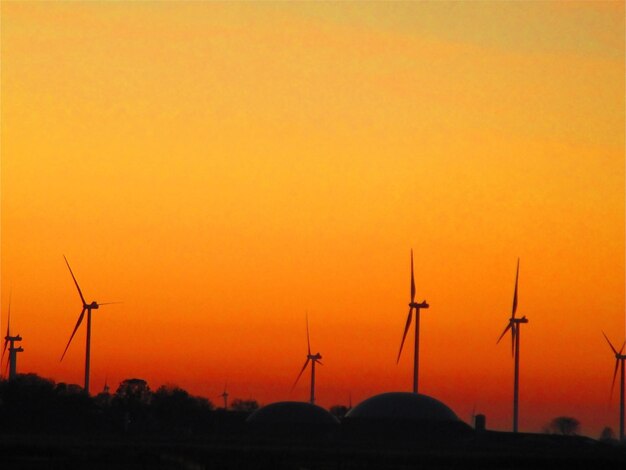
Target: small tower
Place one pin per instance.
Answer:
(10, 340)
(224, 396)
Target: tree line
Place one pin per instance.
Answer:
(30, 403)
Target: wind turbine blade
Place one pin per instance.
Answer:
(6, 342)
(308, 341)
(9, 319)
(300, 374)
(406, 330)
(75, 281)
(515, 293)
(614, 376)
(504, 332)
(6, 339)
(412, 279)
(610, 344)
(319, 362)
(80, 319)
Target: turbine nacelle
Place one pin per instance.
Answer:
(424, 304)
(314, 357)
(13, 338)
(92, 306)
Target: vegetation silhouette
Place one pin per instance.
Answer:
(565, 425)
(44, 424)
(30, 403)
(607, 435)
(246, 406)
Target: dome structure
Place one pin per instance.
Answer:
(404, 416)
(292, 413)
(403, 406)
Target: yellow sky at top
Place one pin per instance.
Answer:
(223, 167)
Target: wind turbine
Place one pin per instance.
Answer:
(619, 362)
(224, 396)
(515, 325)
(86, 308)
(314, 359)
(10, 342)
(413, 306)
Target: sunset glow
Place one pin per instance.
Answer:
(223, 168)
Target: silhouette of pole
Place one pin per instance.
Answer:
(313, 382)
(619, 363)
(413, 306)
(86, 308)
(515, 325)
(12, 362)
(621, 401)
(13, 355)
(313, 358)
(9, 340)
(516, 381)
(88, 351)
(224, 396)
(416, 356)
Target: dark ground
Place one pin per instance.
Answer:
(497, 451)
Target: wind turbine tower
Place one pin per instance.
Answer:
(314, 359)
(417, 307)
(10, 341)
(224, 396)
(515, 327)
(619, 362)
(87, 307)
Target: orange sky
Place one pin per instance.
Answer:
(222, 168)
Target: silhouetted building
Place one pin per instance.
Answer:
(292, 418)
(405, 415)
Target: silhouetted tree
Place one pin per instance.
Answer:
(338, 410)
(176, 410)
(607, 434)
(32, 403)
(247, 406)
(133, 392)
(103, 399)
(130, 405)
(564, 425)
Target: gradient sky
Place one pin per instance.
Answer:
(222, 168)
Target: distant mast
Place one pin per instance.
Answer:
(417, 307)
(619, 364)
(515, 327)
(315, 359)
(87, 307)
(9, 341)
(224, 396)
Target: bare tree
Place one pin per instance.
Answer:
(607, 434)
(564, 425)
(247, 406)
